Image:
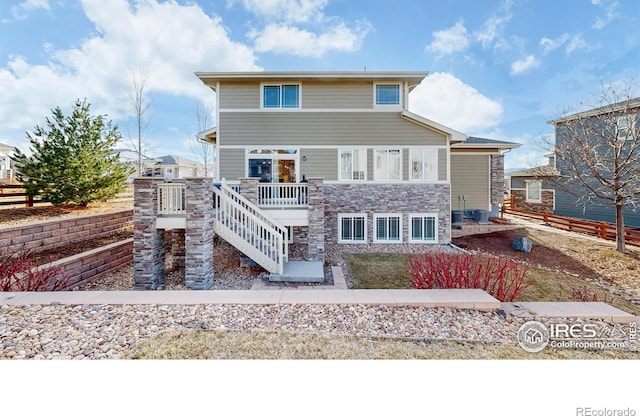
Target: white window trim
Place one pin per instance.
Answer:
(628, 131)
(435, 163)
(375, 233)
(375, 168)
(345, 149)
(280, 84)
(352, 215)
(526, 190)
(388, 106)
(419, 215)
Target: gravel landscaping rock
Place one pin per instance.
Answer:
(107, 331)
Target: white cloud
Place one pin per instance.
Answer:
(610, 13)
(571, 43)
(445, 99)
(523, 65)
(170, 40)
(446, 42)
(21, 11)
(290, 11)
(301, 42)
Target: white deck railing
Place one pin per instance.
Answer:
(283, 195)
(171, 200)
(244, 226)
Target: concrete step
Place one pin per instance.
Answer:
(300, 272)
(581, 310)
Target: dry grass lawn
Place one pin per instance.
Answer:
(257, 345)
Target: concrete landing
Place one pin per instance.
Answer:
(569, 310)
(300, 272)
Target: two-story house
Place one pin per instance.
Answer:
(6, 169)
(336, 158)
(591, 141)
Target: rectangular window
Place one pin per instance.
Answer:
(423, 228)
(281, 96)
(387, 94)
(388, 228)
(424, 164)
(353, 164)
(388, 164)
(625, 126)
(534, 191)
(353, 228)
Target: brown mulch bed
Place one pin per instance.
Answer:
(16, 216)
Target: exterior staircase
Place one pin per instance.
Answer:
(242, 224)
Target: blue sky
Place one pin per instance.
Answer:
(498, 68)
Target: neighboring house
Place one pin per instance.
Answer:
(328, 157)
(533, 189)
(623, 128)
(173, 167)
(7, 173)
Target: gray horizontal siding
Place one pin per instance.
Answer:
(294, 128)
(470, 176)
(320, 163)
(566, 206)
(232, 164)
(239, 95)
(337, 95)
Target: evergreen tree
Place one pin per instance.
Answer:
(72, 159)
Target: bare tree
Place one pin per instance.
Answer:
(203, 151)
(598, 152)
(140, 101)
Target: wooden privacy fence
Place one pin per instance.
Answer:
(601, 229)
(17, 195)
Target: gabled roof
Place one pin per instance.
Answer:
(539, 171)
(171, 160)
(610, 108)
(6, 147)
(413, 78)
(430, 124)
(480, 142)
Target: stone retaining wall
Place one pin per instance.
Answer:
(85, 267)
(51, 234)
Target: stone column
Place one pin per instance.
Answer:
(316, 219)
(178, 251)
(497, 179)
(148, 242)
(249, 189)
(199, 234)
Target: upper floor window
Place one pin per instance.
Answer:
(353, 163)
(624, 127)
(423, 164)
(281, 96)
(387, 94)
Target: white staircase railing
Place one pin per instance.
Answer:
(171, 199)
(244, 226)
(283, 195)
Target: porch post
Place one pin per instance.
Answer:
(316, 218)
(249, 189)
(148, 242)
(199, 233)
(497, 182)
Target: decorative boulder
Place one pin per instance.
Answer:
(521, 244)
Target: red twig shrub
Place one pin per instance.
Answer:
(501, 277)
(583, 294)
(18, 273)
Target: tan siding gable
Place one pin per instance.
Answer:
(293, 128)
(232, 164)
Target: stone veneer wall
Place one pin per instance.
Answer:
(497, 179)
(85, 267)
(519, 201)
(199, 234)
(148, 242)
(387, 198)
(51, 234)
(317, 225)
